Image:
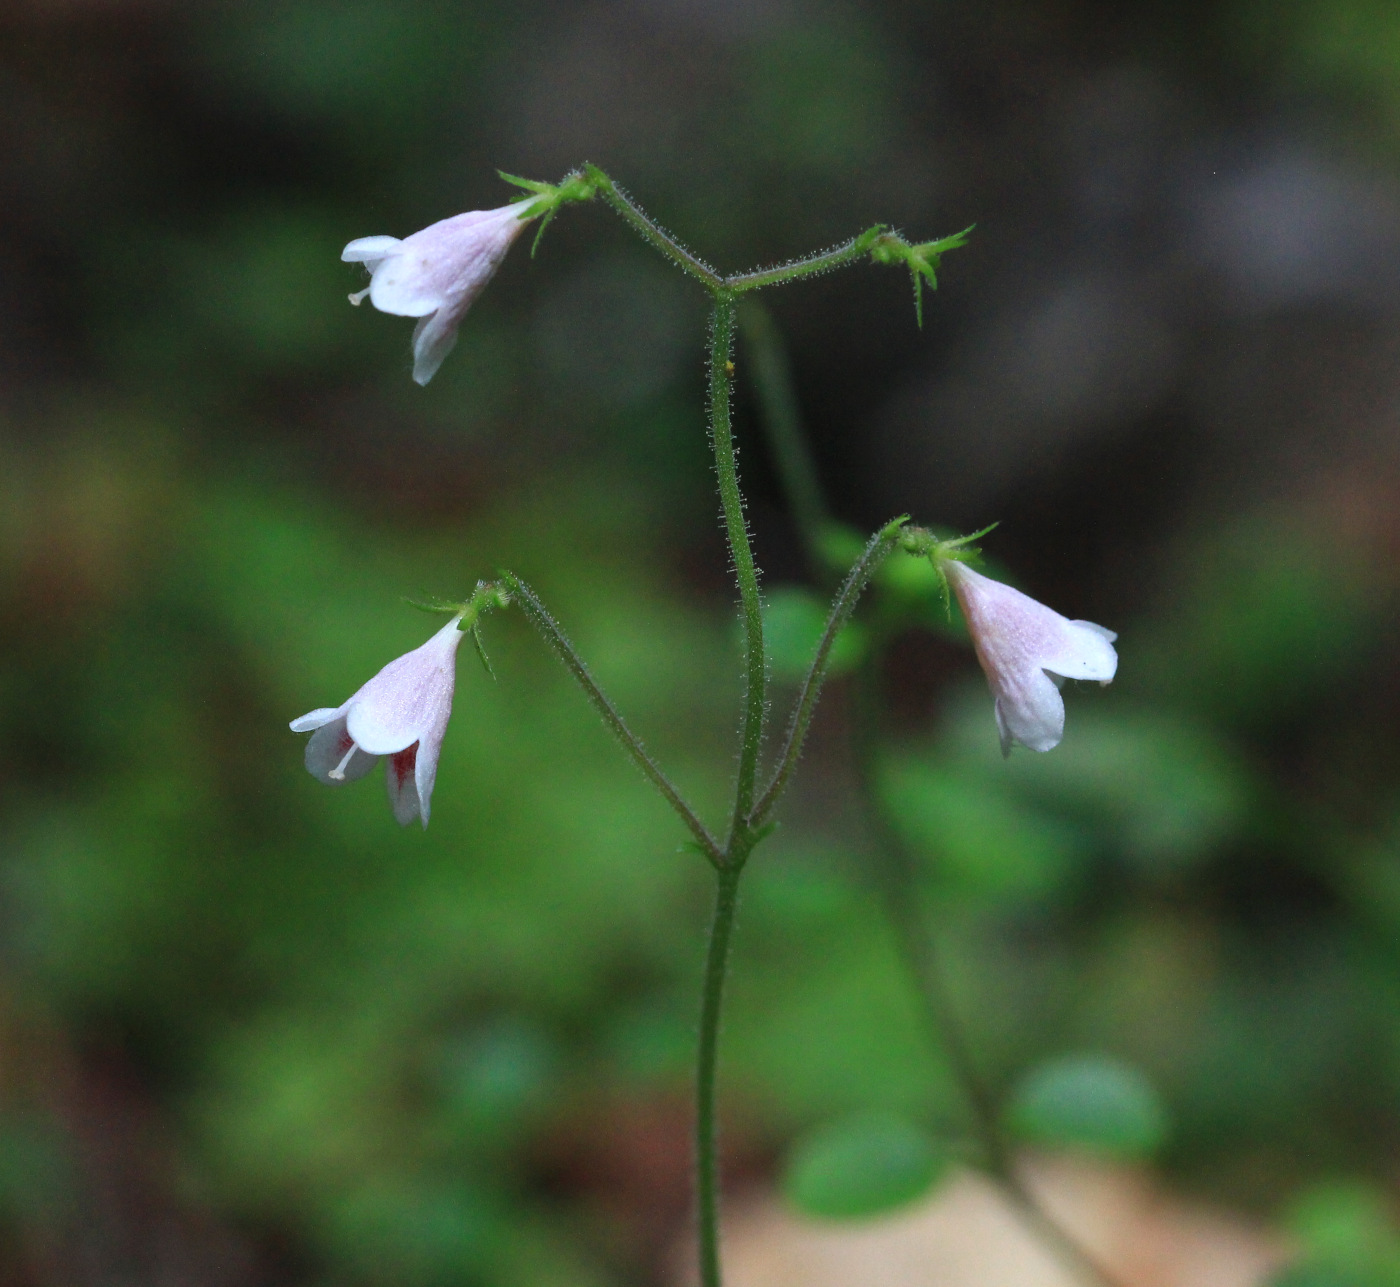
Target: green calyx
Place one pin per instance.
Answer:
(940, 551)
(546, 198)
(487, 596)
(921, 259)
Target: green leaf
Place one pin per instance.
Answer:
(840, 545)
(1307, 1274)
(1348, 1236)
(793, 622)
(862, 1166)
(982, 842)
(1089, 1102)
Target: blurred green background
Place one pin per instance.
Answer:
(253, 1032)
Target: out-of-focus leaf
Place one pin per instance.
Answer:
(416, 1232)
(493, 1077)
(862, 1166)
(1165, 792)
(1089, 1102)
(980, 839)
(1349, 1238)
(793, 622)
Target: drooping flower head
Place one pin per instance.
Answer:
(435, 274)
(1027, 650)
(402, 713)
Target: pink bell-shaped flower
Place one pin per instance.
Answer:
(402, 713)
(435, 274)
(1027, 650)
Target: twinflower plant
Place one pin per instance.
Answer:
(402, 712)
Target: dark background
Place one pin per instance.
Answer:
(250, 1031)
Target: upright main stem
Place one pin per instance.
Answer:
(741, 837)
(706, 1132)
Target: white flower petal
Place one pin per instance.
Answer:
(401, 286)
(314, 719)
(370, 250)
(1084, 651)
(326, 752)
(408, 697)
(1026, 651)
(403, 787)
(1031, 712)
(433, 339)
(437, 273)
(425, 770)
(402, 713)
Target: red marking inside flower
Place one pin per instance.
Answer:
(401, 764)
(345, 741)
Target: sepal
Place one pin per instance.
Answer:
(922, 260)
(546, 198)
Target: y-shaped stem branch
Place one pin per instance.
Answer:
(745, 820)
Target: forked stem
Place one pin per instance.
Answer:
(748, 815)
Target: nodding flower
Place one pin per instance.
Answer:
(435, 274)
(1027, 650)
(402, 713)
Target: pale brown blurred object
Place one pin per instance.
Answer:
(968, 1235)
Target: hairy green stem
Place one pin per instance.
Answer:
(846, 253)
(652, 232)
(706, 1070)
(745, 570)
(746, 820)
(741, 838)
(875, 553)
(554, 635)
(735, 283)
